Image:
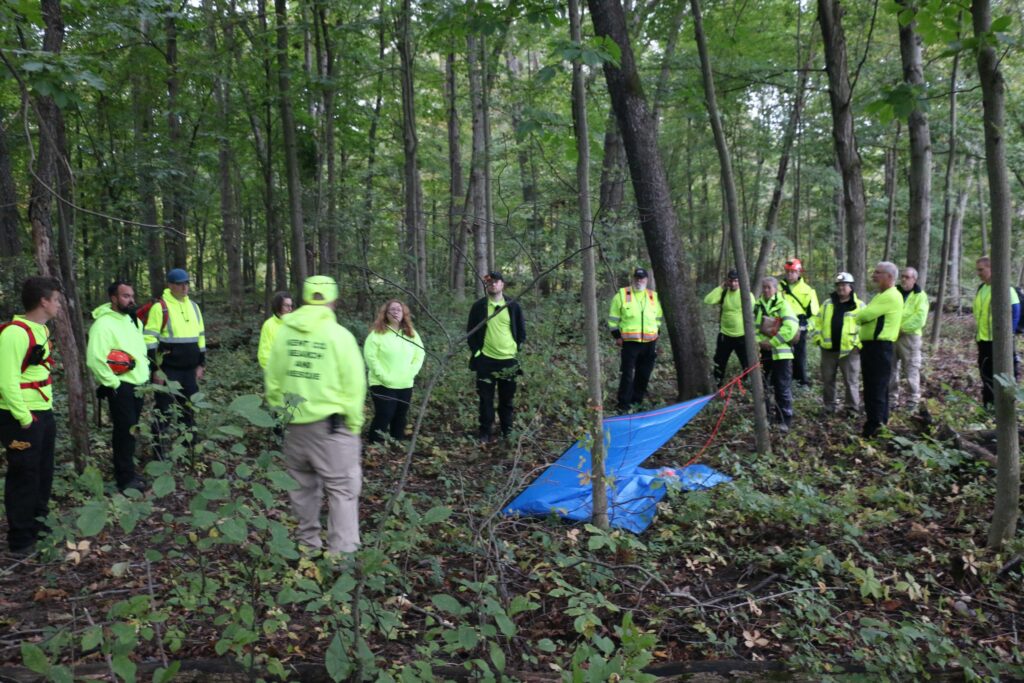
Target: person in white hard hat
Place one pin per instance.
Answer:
(837, 335)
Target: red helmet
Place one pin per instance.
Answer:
(794, 264)
(120, 362)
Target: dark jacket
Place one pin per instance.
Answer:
(478, 314)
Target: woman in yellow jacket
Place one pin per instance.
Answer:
(281, 305)
(394, 355)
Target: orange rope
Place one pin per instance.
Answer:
(726, 393)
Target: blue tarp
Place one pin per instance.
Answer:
(564, 488)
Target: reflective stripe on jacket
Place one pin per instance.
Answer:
(181, 339)
(822, 334)
(635, 316)
(777, 307)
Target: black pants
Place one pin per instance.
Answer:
(390, 412)
(164, 414)
(876, 365)
(800, 358)
(724, 349)
(985, 366)
(779, 374)
(29, 476)
(637, 363)
(125, 409)
(496, 376)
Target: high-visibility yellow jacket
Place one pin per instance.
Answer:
(180, 340)
(113, 330)
(731, 304)
(915, 311)
(849, 336)
(392, 359)
(316, 358)
(983, 311)
(635, 316)
(880, 319)
(268, 332)
(801, 298)
(24, 391)
(777, 307)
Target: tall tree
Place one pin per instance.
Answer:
(176, 243)
(456, 191)
(654, 203)
(478, 164)
(595, 398)
(735, 227)
(993, 93)
(10, 221)
(415, 229)
(300, 268)
(840, 94)
(919, 214)
(947, 208)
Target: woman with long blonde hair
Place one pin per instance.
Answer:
(394, 355)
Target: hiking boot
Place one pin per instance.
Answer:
(138, 483)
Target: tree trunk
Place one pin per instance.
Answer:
(840, 93)
(10, 221)
(661, 90)
(788, 136)
(415, 244)
(654, 204)
(477, 182)
(326, 63)
(595, 399)
(291, 155)
(176, 242)
(51, 152)
(735, 227)
(613, 169)
(947, 210)
(456, 191)
(982, 221)
(1006, 507)
(919, 215)
(144, 130)
(891, 177)
(956, 236)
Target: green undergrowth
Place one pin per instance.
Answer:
(841, 557)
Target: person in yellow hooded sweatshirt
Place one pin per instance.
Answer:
(879, 323)
(319, 360)
(116, 356)
(394, 355)
(280, 305)
(27, 428)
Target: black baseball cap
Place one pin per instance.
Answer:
(732, 275)
(494, 275)
(639, 273)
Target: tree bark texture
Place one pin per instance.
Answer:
(415, 230)
(890, 183)
(735, 227)
(993, 88)
(10, 220)
(291, 154)
(456, 189)
(174, 203)
(595, 399)
(919, 214)
(654, 204)
(840, 93)
(477, 181)
(947, 208)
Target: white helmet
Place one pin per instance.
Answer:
(844, 278)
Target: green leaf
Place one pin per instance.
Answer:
(497, 656)
(232, 430)
(447, 603)
(337, 661)
(436, 514)
(33, 657)
(546, 645)
(505, 625)
(467, 637)
(163, 485)
(282, 480)
(234, 529)
(1001, 24)
(60, 674)
(92, 518)
(162, 675)
(123, 667)
(92, 637)
(250, 407)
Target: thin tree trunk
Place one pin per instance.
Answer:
(415, 245)
(51, 152)
(947, 209)
(661, 89)
(788, 136)
(891, 181)
(595, 398)
(956, 237)
(654, 204)
(10, 220)
(326, 63)
(735, 228)
(919, 216)
(982, 211)
(477, 181)
(176, 242)
(456, 190)
(613, 169)
(1007, 501)
(291, 155)
(840, 93)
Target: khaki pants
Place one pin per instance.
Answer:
(907, 361)
(850, 367)
(319, 460)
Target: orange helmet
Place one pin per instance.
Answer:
(794, 264)
(120, 362)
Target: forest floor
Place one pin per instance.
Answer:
(833, 557)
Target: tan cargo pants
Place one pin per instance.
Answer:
(321, 461)
(906, 360)
(831, 364)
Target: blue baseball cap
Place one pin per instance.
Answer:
(177, 276)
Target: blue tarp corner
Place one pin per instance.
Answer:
(564, 488)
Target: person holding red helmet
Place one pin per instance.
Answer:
(804, 301)
(116, 356)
